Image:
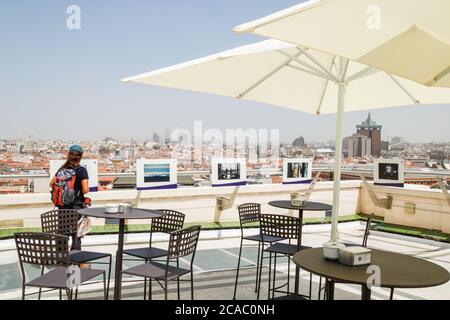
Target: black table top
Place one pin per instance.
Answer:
(397, 270)
(135, 214)
(309, 206)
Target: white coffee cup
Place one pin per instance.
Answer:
(111, 208)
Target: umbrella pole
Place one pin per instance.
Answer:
(337, 162)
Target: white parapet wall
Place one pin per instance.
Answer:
(413, 206)
(199, 204)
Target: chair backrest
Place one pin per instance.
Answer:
(367, 230)
(61, 221)
(280, 226)
(171, 221)
(249, 213)
(183, 242)
(42, 249)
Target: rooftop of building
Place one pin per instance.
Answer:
(369, 123)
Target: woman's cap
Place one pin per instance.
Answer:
(76, 148)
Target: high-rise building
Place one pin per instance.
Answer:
(357, 146)
(372, 130)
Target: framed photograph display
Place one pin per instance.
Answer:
(156, 174)
(297, 171)
(228, 172)
(389, 172)
(90, 165)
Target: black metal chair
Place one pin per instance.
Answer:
(250, 213)
(48, 250)
(65, 222)
(171, 221)
(285, 227)
(182, 243)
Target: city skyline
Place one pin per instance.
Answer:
(49, 71)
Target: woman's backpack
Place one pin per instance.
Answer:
(63, 190)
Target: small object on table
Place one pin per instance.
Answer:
(355, 256)
(125, 208)
(299, 199)
(331, 250)
(112, 208)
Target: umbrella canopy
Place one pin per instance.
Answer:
(282, 74)
(296, 77)
(408, 38)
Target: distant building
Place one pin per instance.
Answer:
(371, 130)
(299, 142)
(396, 140)
(357, 146)
(438, 155)
(384, 146)
(156, 137)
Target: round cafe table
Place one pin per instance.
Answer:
(308, 206)
(135, 214)
(396, 271)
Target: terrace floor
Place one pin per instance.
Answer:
(216, 260)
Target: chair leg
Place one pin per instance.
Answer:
(40, 289)
(109, 277)
(391, 297)
(165, 290)
(274, 275)
(237, 270)
(145, 284)
(23, 291)
(258, 270)
(288, 276)
(192, 285)
(69, 294)
(76, 293)
(178, 282)
(270, 271)
(105, 287)
(60, 294)
(319, 294)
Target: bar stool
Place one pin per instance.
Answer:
(50, 251)
(170, 222)
(182, 243)
(285, 227)
(250, 213)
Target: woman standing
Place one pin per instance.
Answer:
(70, 185)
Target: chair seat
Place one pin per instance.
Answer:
(259, 238)
(285, 248)
(156, 271)
(57, 278)
(77, 256)
(146, 253)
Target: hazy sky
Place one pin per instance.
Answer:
(60, 83)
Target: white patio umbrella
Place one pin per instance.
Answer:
(299, 78)
(408, 38)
